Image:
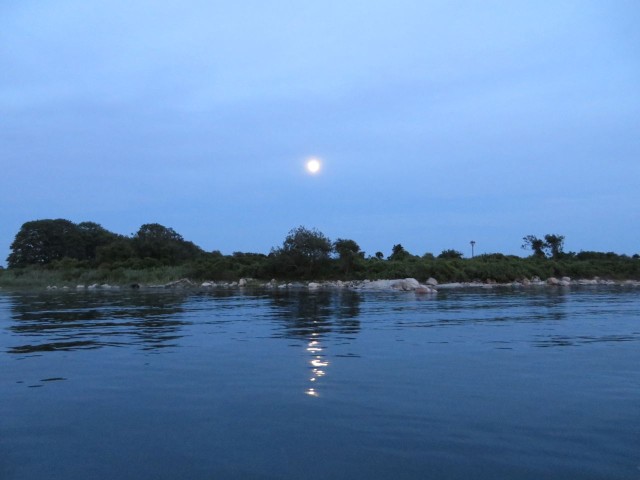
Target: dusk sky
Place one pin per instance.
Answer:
(437, 123)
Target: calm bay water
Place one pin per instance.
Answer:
(498, 384)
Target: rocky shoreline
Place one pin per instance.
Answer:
(429, 287)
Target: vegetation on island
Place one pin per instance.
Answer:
(58, 251)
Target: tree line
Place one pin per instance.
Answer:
(305, 253)
(43, 242)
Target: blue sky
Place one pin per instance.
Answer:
(437, 122)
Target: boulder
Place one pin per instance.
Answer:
(432, 282)
(553, 281)
(377, 284)
(425, 289)
(406, 285)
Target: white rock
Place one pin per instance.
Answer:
(378, 284)
(425, 289)
(406, 285)
(432, 282)
(314, 286)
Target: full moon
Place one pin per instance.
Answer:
(313, 166)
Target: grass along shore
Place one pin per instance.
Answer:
(442, 273)
(58, 252)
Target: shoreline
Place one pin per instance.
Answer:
(429, 287)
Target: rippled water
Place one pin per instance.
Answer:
(343, 385)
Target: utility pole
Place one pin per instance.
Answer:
(473, 244)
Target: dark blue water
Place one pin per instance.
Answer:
(533, 384)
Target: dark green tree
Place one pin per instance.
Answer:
(554, 245)
(348, 252)
(40, 242)
(304, 252)
(119, 250)
(398, 253)
(164, 244)
(93, 237)
(535, 244)
(450, 254)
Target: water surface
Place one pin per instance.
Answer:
(501, 384)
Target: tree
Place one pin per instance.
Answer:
(398, 253)
(537, 245)
(348, 251)
(40, 242)
(554, 245)
(450, 254)
(164, 244)
(306, 250)
(93, 237)
(119, 250)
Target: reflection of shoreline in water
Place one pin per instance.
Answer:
(312, 317)
(42, 322)
(83, 321)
